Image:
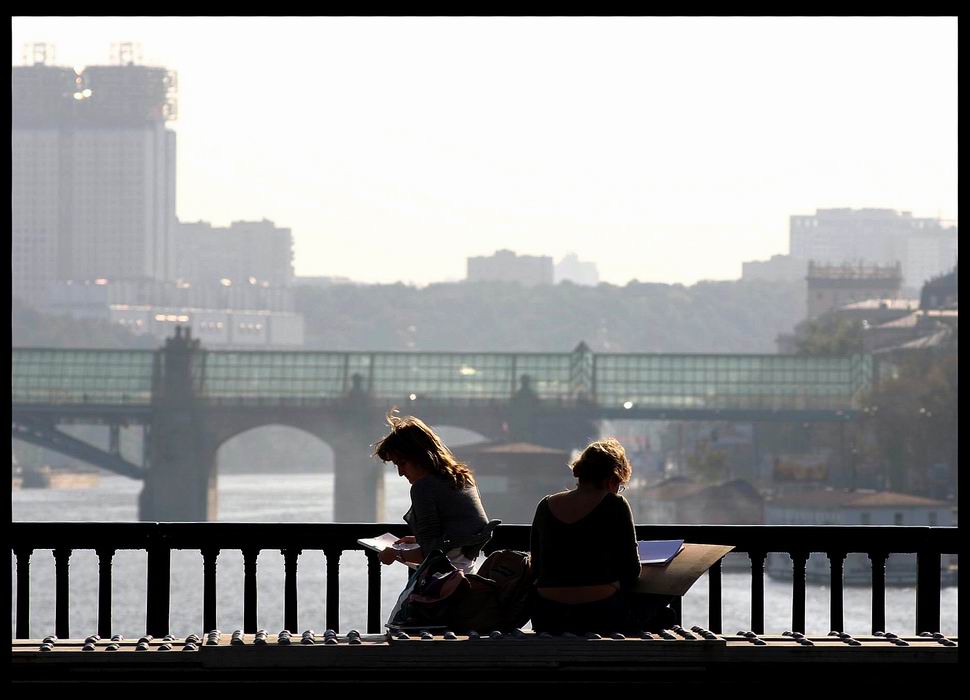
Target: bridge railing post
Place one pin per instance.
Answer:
(928, 590)
(62, 563)
(291, 556)
(105, 556)
(210, 556)
(159, 581)
(373, 592)
(23, 591)
(250, 556)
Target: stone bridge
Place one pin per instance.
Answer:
(192, 400)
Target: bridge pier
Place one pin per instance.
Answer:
(180, 482)
(358, 484)
(530, 421)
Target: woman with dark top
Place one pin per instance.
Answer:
(584, 551)
(446, 511)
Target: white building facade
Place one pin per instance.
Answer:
(247, 251)
(93, 174)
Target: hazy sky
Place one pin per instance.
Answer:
(663, 149)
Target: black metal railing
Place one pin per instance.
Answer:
(291, 539)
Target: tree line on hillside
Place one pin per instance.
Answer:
(30, 328)
(729, 317)
(735, 316)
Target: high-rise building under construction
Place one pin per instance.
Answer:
(93, 172)
(923, 247)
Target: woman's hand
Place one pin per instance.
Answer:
(412, 556)
(389, 555)
(407, 539)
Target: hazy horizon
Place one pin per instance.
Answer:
(662, 149)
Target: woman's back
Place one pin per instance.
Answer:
(439, 512)
(584, 539)
(571, 506)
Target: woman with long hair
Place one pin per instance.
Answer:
(446, 511)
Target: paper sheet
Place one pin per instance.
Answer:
(679, 575)
(379, 544)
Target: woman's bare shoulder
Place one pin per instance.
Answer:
(556, 496)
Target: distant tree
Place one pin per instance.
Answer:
(707, 463)
(32, 328)
(828, 336)
(913, 415)
(737, 316)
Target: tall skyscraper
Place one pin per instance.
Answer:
(93, 170)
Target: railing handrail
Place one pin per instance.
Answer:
(893, 539)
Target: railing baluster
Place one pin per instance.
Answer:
(928, 582)
(249, 590)
(373, 592)
(105, 555)
(62, 563)
(333, 588)
(677, 605)
(23, 592)
(757, 591)
(878, 560)
(210, 555)
(159, 585)
(798, 561)
(837, 562)
(290, 557)
(714, 598)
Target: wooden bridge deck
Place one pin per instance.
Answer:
(675, 656)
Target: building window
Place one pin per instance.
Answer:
(897, 518)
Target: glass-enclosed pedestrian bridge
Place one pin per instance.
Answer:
(614, 385)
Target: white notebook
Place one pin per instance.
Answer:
(379, 544)
(659, 551)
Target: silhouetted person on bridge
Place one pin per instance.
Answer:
(584, 553)
(446, 511)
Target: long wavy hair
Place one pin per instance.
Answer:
(411, 439)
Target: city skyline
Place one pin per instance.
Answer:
(533, 135)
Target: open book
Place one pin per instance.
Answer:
(659, 552)
(379, 544)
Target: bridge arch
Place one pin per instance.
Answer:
(273, 462)
(457, 435)
(342, 437)
(274, 448)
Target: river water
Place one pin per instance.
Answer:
(309, 498)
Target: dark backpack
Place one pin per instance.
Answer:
(497, 596)
(429, 594)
